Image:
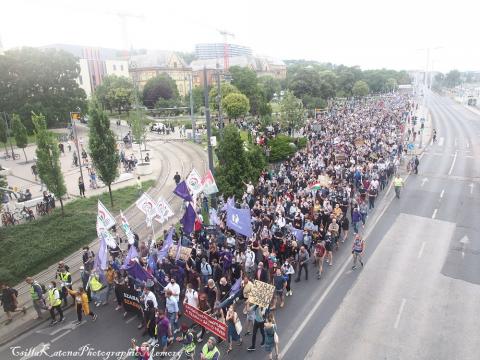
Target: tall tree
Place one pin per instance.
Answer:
(48, 159)
(269, 86)
(103, 146)
(453, 78)
(161, 86)
(328, 84)
(138, 122)
(225, 88)
(236, 105)
(40, 80)
(293, 116)
(360, 89)
(233, 167)
(20, 134)
(115, 93)
(306, 82)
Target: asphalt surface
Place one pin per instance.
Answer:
(416, 297)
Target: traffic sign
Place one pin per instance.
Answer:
(75, 116)
(411, 146)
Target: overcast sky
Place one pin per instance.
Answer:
(368, 33)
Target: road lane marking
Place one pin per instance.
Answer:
(453, 164)
(440, 141)
(60, 336)
(455, 142)
(441, 194)
(434, 215)
(346, 263)
(468, 145)
(421, 250)
(472, 185)
(130, 320)
(399, 315)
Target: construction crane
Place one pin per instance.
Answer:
(226, 52)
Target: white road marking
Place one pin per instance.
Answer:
(130, 320)
(472, 185)
(60, 336)
(440, 141)
(441, 194)
(424, 180)
(455, 142)
(434, 215)
(453, 164)
(347, 262)
(468, 145)
(421, 250)
(464, 241)
(400, 311)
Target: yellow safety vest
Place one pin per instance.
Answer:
(64, 277)
(51, 298)
(397, 182)
(95, 285)
(209, 354)
(33, 293)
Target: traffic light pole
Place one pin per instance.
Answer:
(209, 129)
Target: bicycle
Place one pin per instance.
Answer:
(42, 208)
(8, 219)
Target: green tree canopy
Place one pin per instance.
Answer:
(20, 134)
(391, 84)
(48, 159)
(115, 93)
(42, 81)
(3, 132)
(103, 146)
(305, 82)
(292, 114)
(161, 86)
(138, 122)
(269, 86)
(328, 84)
(233, 168)
(360, 89)
(225, 88)
(453, 78)
(236, 105)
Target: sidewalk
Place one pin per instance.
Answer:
(163, 187)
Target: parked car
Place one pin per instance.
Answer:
(157, 127)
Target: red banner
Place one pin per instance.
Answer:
(205, 320)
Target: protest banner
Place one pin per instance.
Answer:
(339, 157)
(208, 322)
(261, 294)
(324, 180)
(131, 301)
(184, 252)
(359, 142)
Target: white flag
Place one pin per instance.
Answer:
(164, 211)
(126, 229)
(104, 216)
(147, 205)
(103, 233)
(194, 182)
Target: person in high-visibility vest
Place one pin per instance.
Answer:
(36, 292)
(63, 274)
(187, 339)
(95, 286)
(210, 350)
(54, 302)
(397, 183)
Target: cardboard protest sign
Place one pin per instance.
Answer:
(207, 321)
(324, 180)
(339, 157)
(184, 252)
(359, 141)
(261, 294)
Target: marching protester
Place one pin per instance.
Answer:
(81, 301)
(10, 302)
(37, 294)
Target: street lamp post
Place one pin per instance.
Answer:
(219, 99)
(209, 128)
(192, 115)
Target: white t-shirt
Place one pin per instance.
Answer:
(175, 288)
(151, 296)
(191, 298)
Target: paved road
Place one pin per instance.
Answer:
(417, 297)
(414, 257)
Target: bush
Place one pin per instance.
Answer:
(280, 148)
(301, 142)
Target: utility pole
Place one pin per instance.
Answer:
(209, 129)
(192, 115)
(219, 99)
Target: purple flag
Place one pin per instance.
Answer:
(101, 258)
(166, 245)
(239, 220)
(236, 286)
(297, 233)
(182, 191)
(132, 253)
(230, 201)
(179, 248)
(188, 219)
(138, 272)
